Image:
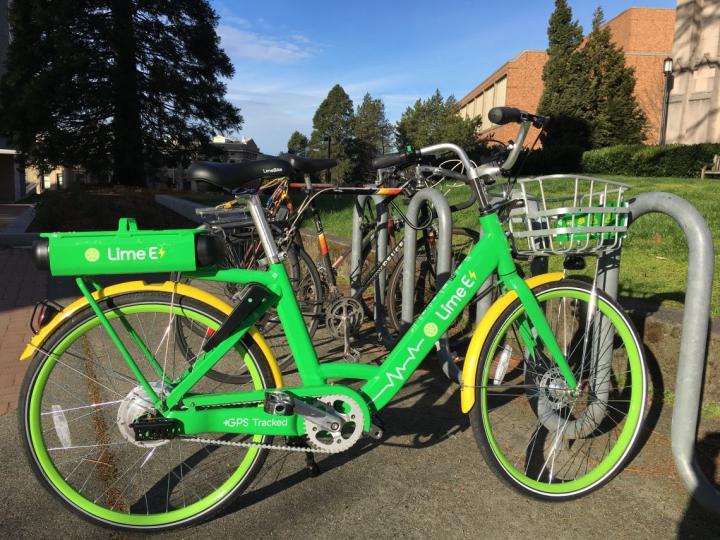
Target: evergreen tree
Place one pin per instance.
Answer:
(435, 120)
(564, 81)
(611, 108)
(332, 132)
(121, 86)
(372, 135)
(297, 144)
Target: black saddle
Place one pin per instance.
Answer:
(248, 174)
(308, 165)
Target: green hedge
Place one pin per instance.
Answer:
(643, 160)
(552, 160)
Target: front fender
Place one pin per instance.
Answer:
(472, 357)
(137, 286)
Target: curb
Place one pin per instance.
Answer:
(13, 234)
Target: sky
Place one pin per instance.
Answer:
(289, 54)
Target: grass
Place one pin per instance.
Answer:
(654, 256)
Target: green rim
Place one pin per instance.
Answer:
(68, 492)
(632, 421)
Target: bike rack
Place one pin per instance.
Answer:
(444, 264)
(444, 267)
(381, 231)
(693, 340)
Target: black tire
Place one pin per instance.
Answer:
(463, 240)
(83, 370)
(540, 437)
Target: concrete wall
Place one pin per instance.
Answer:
(693, 115)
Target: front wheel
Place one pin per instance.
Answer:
(540, 436)
(79, 399)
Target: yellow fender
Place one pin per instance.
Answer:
(137, 286)
(472, 357)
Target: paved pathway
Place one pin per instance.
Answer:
(21, 286)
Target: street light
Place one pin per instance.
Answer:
(667, 71)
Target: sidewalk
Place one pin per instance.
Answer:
(21, 286)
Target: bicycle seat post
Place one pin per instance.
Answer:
(263, 229)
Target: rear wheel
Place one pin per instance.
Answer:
(540, 436)
(79, 398)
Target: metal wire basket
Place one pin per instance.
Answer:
(568, 214)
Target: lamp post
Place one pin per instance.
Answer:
(328, 139)
(667, 71)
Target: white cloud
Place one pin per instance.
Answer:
(246, 44)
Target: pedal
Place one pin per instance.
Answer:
(279, 404)
(155, 429)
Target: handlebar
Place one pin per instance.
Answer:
(486, 173)
(390, 160)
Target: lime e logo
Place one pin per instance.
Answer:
(430, 329)
(92, 255)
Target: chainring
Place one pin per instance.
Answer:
(347, 435)
(344, 317)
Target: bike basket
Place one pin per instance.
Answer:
(126, 251)
(566, 214)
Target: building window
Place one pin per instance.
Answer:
(60, 179)
(47, 182)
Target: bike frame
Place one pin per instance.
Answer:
(242, 412)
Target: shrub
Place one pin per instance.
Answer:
(645, 160)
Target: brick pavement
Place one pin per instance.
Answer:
(21, 286)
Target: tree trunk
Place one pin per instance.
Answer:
(127, 152)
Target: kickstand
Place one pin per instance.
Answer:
(350, 353)
(311, 466)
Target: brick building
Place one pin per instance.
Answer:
(646, 36)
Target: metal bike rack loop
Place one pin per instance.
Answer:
(444, 267)
(356, 261)
(693, 341)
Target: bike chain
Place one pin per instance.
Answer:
(257, 445)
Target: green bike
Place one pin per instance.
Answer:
(125, 431)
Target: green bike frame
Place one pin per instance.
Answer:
(242, 412)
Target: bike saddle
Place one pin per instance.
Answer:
(248, 174)
(308, 165)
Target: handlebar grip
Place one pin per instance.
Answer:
(505, 115)
(388, 160)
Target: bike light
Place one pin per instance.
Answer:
(43, 313)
